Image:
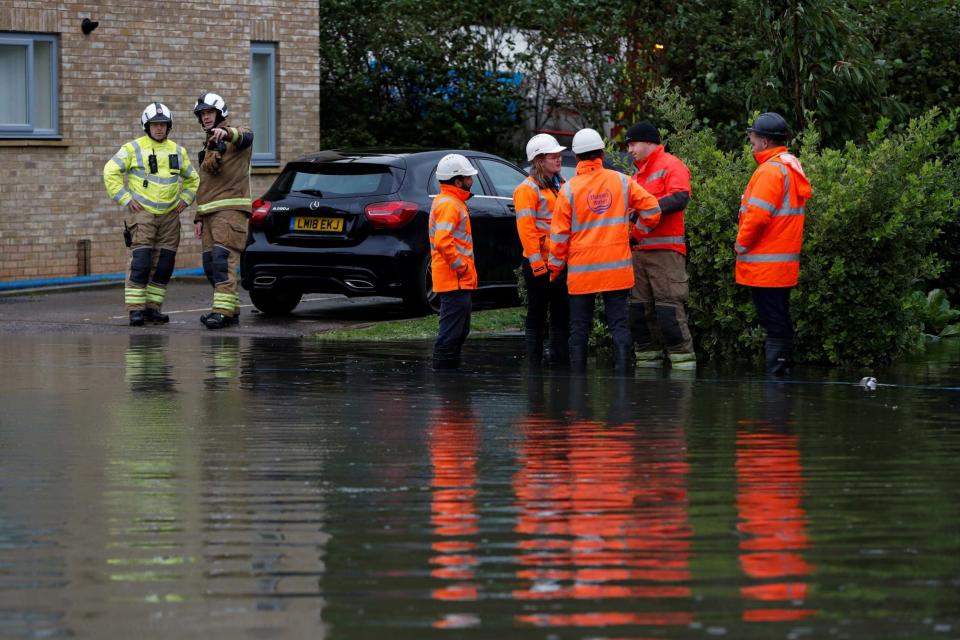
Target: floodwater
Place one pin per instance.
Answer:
(221, 487)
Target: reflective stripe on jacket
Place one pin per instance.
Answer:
(158, 192)
(662, 175)
(534, 211)
(590, 231)
(230, 187)
(770, 231)
(451, 241)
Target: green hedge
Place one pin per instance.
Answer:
(871, 228)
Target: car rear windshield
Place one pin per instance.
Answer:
(338, 180)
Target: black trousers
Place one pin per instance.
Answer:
(455, 308)
(773, 309)
(617, 312)
(543, 295)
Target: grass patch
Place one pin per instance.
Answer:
(490, 321)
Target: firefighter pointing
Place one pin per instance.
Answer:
(160, 183)
(223, 206)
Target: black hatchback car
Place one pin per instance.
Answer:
(356, 223)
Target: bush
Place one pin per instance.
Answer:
(875, 213)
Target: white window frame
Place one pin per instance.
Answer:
(268, 158)
(29, 129)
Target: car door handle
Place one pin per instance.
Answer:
(512, 208)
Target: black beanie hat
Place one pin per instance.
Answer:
(643, 131)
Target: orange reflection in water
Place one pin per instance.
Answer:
(453, 454)
(769, 488)
(601, 517)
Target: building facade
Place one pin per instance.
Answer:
(74, 77)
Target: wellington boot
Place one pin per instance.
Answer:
(578, 359)
(445, 359)
(649, 359)
(230, 320)
(154, 316)
(622, 361)
(683, 361)
(534, 348)
(559, 350)
(136, 318)
(217, 321)
(779, 356)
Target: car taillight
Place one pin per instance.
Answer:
(261, 209)
(390, 215)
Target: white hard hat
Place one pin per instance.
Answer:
(156, 112)
(452, 165)
(542, 143)
(587, 140)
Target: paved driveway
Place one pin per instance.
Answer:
(99, 310)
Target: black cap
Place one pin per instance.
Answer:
(643, 131)
(770, 125)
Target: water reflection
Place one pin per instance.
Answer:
(147, 368)
(250, 488)
(602, 510)
(453, 443)
(773, 522)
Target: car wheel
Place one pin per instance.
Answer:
(275, 303)
(421, 297)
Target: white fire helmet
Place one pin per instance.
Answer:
(208, 100)
(155, 112)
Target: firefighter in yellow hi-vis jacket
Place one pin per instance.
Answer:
(223, 206)
(160, 183)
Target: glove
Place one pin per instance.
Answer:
(539, 270)
(211, 162)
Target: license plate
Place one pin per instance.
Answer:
(311, 223)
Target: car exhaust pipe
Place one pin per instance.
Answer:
(358, 285)
(264, 281)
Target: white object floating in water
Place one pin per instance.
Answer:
(869, 383)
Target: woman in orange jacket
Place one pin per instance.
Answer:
(770, 235)
(533, 200)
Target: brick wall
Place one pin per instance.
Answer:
(51, 192)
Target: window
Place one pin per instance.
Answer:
(263, 103)
(504, 177)
(28, 75)
(339, 181)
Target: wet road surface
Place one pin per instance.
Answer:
(100, 310)
(205, 485)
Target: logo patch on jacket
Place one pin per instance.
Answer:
(599, 202)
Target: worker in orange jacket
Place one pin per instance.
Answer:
(533, 201)
(590, 237)
(451, 253)
(658, 320)
(770, 235)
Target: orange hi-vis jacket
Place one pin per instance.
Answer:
(771, 221)
(451, 241)
(662, 175)
(534, 209)
(590, 231)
